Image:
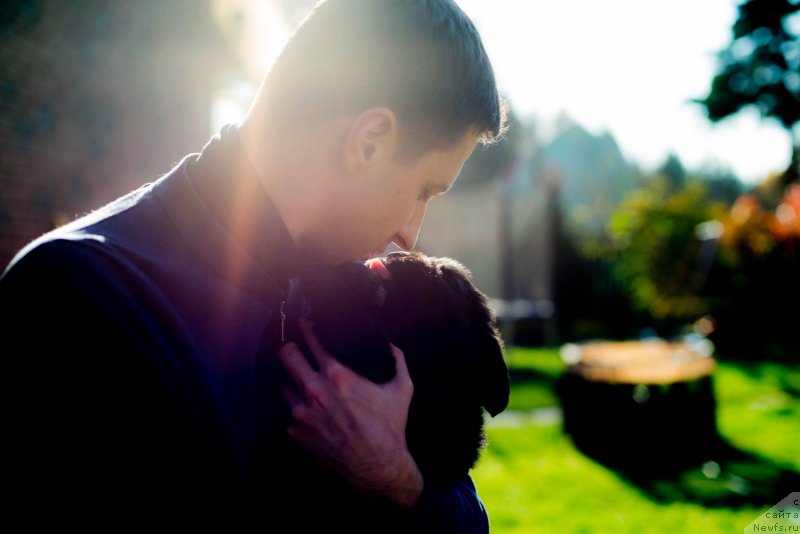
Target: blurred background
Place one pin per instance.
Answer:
(642, 215)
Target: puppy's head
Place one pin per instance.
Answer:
(446, 329)
(433, 308)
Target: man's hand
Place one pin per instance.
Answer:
(354, 426)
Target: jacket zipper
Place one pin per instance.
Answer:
(283, 320)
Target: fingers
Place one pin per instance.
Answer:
(400, 358)
(291, 396)
(298, 408)
(296, 364)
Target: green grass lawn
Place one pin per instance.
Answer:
(532, 479)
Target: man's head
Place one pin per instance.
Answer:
(423, 59)
(398, 88)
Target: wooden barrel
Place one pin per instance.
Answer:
(643, 406)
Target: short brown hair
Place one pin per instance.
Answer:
(424, 59)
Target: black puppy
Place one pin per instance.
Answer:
(430, 309)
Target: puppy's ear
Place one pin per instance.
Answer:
(491, 372)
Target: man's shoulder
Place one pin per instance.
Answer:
(75, 288)
(100, 235)
(82, 240)
(67, 260)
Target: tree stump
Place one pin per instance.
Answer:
(646, 407)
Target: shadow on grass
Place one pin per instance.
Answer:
(664, 465)
(790, 384)
(665, 440)
(726, 477)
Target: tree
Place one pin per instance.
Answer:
(655, 250)
(674, 171)
(761, 67)
(752, 284)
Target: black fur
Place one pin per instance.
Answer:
(446, 329)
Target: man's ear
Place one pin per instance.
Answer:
(371, 137)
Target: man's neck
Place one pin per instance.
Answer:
(295, 167)
(228, 185)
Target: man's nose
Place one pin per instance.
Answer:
(410, 232)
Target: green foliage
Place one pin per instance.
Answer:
(659, 256)
(590, 301)
(679, 248)
(753, 282)
(761, 66)
(647, 268)
(672, 169)
(653, 248)
(723, 187)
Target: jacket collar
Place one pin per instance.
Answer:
(221, 207)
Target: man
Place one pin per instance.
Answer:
(133, 334)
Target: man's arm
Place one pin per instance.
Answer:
(357, 428)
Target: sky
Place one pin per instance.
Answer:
(628, 67)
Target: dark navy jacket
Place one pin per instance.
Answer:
(131, 342)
